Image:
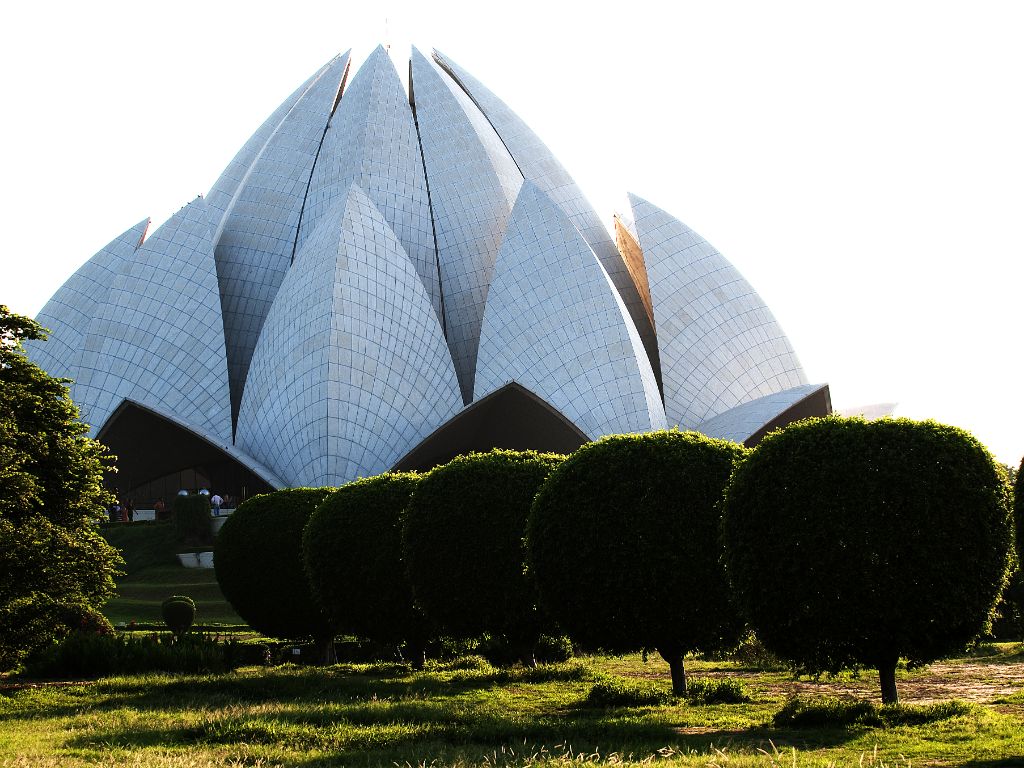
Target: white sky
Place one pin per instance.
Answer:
(860, 163)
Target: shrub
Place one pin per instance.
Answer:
(547, 650)
(853, 542)
(179, 613)
(623, 541)
(615, 692)
(716, 691)
(39, 621)
(83, 655)
(192, 519)
(463, 543)
(258, 563)
(841, 713)
(352, 549)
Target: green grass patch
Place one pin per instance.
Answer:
(153, 573)
(140, 595)
(476, 715)
(842, 713)
(617, 692)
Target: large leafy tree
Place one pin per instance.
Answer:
(51, 492)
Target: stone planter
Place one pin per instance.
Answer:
(189, 559)
(206, 559)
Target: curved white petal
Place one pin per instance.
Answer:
(555, 324)
(372, 142)
(751, 419)
(70, 310)
(256, 240)
(539, 165)
(473, 186)
(352, 369)
(158, 338)
(720, 345)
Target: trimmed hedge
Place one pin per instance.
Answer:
(463, 543)
(853, 542)
(258, 563)
(623, 541)
(1018, 510)
(352, 547)
(192, 519)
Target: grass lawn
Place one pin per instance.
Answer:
(153, 573)
(387, 715)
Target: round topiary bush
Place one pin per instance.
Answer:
(258, 562)
(623, 541)
(179, 613)
(352, 547)
(852, 542)
(1018, 510)
(463, 544)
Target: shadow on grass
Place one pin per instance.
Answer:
(341, 683)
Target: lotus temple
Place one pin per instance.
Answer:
(384, 278)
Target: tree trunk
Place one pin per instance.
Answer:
(526, 656)
(417, 654)
(675, 664)
(887, 677)
(325, 648)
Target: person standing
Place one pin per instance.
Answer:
(215, 502)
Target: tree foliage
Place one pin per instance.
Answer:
(860, 543)
(463, 544)
(623, 541)
(51, 495)
(353, 555)
(50, 467)
(257, 557)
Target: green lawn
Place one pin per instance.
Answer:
(153, 574)
(386, 715)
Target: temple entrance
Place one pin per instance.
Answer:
(512, 417)
(157, 457)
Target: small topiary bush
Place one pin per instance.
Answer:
(463, 545)
(843, 713)
(623, 541)
(352, 550)
(258, 563)
(179, 613)
(852, 542)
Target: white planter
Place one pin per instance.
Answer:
(206, 559)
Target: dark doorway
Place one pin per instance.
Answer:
(157, 457)
(513, 417)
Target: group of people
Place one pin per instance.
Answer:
(123, 510)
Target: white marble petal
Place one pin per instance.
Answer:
(158, 338)
(473, 186)
(351, 370)
(555, 324)
(372, 142)
(70, 310)
(256, 239)
(720, 346)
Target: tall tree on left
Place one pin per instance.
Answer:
(52, 556)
